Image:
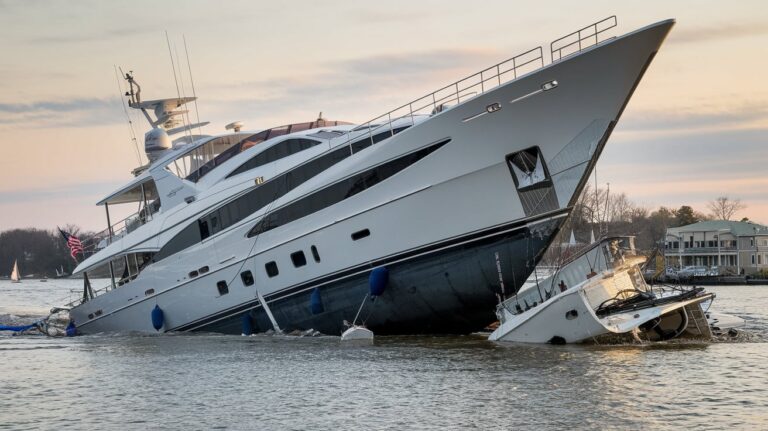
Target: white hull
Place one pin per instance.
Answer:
(462, 192)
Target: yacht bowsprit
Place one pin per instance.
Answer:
(457, 194)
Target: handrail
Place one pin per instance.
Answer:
(117, 230)
(609, 23)
(475, 84)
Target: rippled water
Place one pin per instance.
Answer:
(205, 381)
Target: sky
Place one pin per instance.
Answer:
(696, 128)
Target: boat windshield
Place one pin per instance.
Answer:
(195, 164)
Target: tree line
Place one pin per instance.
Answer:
(602, 213)
(39, 252)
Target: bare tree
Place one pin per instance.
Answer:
(724, 207)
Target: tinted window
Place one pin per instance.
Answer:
(257, 198)
(338, 192)
(298, 259)
(275, 152)
(222, 287)
(271, 268)
(247, 278)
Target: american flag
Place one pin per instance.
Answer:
(74, 244)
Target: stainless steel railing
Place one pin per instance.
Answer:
(581, 39)
(458, 91)
(490, 77)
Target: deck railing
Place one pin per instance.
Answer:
(489, 78)
(458, 91)
(123, 227)
(581, 39)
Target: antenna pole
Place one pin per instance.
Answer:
(192, 81)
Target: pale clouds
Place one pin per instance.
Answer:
(718, 32)
(75, 112)
(713, 115)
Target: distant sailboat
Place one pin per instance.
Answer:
(15, 274)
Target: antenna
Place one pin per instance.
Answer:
(192, 81)
(127, 116)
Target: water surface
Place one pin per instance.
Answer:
(208, 381)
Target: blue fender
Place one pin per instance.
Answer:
(316, 302)
(378, 280)
(157, 318)
(71, 330)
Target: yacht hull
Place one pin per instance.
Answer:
(451, 229)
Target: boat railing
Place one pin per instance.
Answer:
(488, 78)
(117, 230)
(457, 92)
(581, 39)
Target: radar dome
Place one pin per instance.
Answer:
(156, 141)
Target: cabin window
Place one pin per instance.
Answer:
(247, 278)
(149, 292)
(193, 274)
(315, 254)
(203, 270)
(360, 234)
(222, 287)
(262, 195)
(271, 268)
(275, 152)
(298, 259)
(340, 191)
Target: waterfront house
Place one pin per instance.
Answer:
(734, 247)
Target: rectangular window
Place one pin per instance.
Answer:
(753, 259)
(271, 268)
(222, 286)
(298, 259)
(759, 259)
(247, 278)
(751, 242)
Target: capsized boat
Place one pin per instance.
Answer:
(601, 291)
(15, 274)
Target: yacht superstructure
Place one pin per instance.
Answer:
(454, 197)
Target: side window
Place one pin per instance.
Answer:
(271, 268)
(222, 287)
(298, 259)
(247, 278)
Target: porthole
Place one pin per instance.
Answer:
(572, 314)
(271, 268)
(193, 274)
(247, 278)
(222, 287)
(298, 259)
(203, 270)
(149, 292)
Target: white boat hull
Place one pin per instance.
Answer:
(439, 226)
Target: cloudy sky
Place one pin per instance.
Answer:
(696, 128)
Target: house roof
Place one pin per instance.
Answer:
(738, 228)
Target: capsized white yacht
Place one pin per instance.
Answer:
(433, 208)
(597, 292)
